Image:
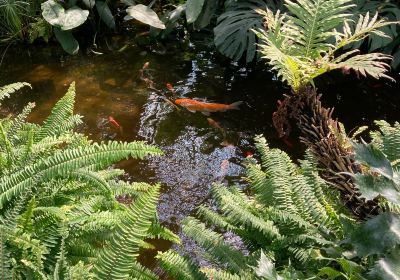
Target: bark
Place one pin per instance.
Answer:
(317, 129)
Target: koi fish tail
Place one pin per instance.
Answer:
(235, 105)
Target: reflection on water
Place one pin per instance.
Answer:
(109, 85)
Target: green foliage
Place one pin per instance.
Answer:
(287, 224)
(59, 218)
(287, 215)
(304, 43)
(232, 35)
(387, 44)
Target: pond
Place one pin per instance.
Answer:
(196, 153)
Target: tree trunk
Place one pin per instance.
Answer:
(321, 134)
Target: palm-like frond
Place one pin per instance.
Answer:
(302, 45)
(311, 23)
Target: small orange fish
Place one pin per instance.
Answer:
(214, 124)
(146, 65)
(206, 108)
(170, 87)
(114, 122)
(248, 154)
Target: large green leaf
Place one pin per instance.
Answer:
(56, 15)
(105, 14)
(204, 19)
(67, 41)
(387, 268)
(266, 268)
(193, 9)
(144, 14)
(374, 158)
(371, 187)
(233, 35)
(376, 235)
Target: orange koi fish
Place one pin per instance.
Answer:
(146, 65)
(216, 125)
(248, 154)
(206, 108)
(114, 122)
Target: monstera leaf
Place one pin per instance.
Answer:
(55, 14)
(233, 35)
(144, 14)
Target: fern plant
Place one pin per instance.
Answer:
(304, 43)
(291, 226)
(288, 216)
(59, 213)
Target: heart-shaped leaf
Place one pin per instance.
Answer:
(89, 3)
(144, 14)
(74, 17)
(56, 15)
(53, 12)
(193, 9)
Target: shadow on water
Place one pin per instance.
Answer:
(108, 85)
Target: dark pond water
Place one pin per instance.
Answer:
(109, 85)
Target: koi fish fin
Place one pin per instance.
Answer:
(235, 105)
(205, 113)
(192, 111)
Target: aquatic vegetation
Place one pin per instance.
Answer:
(290, 225)
(60, 215)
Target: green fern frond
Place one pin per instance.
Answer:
(240, 214)
(62, 111)
(5, 91)
(214, 219)
(116, 259)
(180, 267)
(158, 231)
(214, 244)
(5, 260)
(139, 272)
(19, 121)
(67, 161)
(311, 23)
